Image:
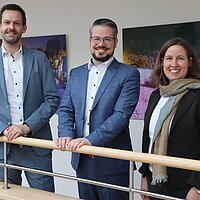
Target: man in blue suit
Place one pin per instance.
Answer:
(97, 105)
(28, 97)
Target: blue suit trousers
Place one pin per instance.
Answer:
(26, 157)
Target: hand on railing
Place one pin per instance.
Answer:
(78, 143)
(72, 144)
(15, 131)
(193, 194)
(63, 142)
(144, 187)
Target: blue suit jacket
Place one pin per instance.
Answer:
(40, 97)
(113, 106)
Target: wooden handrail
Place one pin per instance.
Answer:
(181, 163)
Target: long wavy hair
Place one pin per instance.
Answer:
(158, 76)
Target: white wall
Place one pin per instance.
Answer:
(73, 18)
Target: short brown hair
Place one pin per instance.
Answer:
(16, 8)
(105, 22)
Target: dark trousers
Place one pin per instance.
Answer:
(165, 189)
(87, 169)
(26, 157)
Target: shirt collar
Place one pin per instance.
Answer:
(107, 63)
(4, 52)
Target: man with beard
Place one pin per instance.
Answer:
(98, 102)
(28, 97)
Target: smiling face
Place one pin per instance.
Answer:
(12, 27)
(104, 49)
(176, 63)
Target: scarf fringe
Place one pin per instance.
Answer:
(159, 179)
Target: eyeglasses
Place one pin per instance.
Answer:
(106, 40)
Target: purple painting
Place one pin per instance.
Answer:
(55, 48)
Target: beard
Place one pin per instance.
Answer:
(102, 59)
(11, 41)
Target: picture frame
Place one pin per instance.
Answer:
(140, 49)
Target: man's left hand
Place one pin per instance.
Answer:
(77, 143)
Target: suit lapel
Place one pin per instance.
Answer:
(183, 106)
(27, 66)
(83, 77)
(111, 71)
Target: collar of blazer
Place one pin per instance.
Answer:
(181, 109)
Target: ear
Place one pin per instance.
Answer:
(190, 61)
(24, 29)
(116, 41)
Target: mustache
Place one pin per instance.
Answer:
(102, 47)
(11, 31)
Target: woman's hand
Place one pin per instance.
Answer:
(144, 187)
(193, 194)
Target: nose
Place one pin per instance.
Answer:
(11, 26)
(102, 41)
(174, 62)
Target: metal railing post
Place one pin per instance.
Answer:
(5, 168)
(131, 180)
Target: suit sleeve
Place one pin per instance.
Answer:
(45, 94)
(194, 178)
(66, 118)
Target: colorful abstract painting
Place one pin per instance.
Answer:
(54, 47)
(141, 46)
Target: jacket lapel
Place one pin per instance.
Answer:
(83, 77)
(27, 66)
(182, 108)
(111, 71)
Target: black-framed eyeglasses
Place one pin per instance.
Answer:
(97, 40)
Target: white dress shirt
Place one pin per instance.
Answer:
(13, 72)
(96, 74)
